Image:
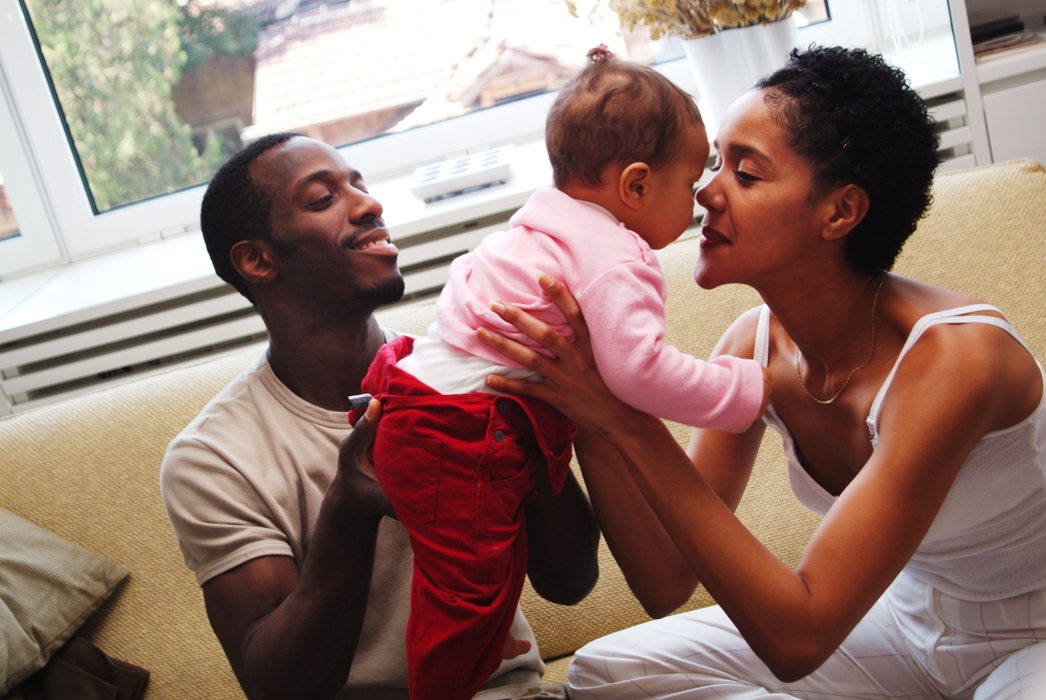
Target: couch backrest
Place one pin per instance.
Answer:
(87, 468)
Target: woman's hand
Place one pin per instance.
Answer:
(572, 382)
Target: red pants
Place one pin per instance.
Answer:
(458, 470)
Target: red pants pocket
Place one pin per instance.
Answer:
(499, 523)
(408, 470)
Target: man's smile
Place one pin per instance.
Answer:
(376, 240)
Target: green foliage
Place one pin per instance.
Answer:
(206, 31)
(113, 63)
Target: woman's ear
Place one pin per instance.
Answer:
(848, 207)
(255, 260)
(634, 185)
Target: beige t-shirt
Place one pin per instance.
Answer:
(246, 479)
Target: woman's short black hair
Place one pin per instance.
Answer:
(856, 120)
(236, 208)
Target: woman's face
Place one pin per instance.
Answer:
(760, 216)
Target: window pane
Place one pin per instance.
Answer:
(157, 93)
(814, 12)
(8, 223)
(113, 65)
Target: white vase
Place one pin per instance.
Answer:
(727, 64)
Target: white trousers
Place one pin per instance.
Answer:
(916, 642)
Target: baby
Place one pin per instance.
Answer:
(456, 461)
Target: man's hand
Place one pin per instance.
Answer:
(291, 634)
(356, 470)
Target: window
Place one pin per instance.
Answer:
(128, 106)
(27, 238)
(155, 94)
(123, 108)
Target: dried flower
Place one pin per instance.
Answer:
(690, 19)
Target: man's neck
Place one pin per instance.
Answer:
(324, 366)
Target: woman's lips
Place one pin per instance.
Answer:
(710, 238)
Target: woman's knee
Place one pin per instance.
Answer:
(1021, 675)
(700, 642)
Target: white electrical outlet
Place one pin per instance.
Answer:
(460, 175)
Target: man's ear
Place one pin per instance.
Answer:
(634, 185)
(848, 206)
(255, 260)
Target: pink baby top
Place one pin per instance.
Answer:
(616, 279)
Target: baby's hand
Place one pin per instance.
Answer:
(768, 387)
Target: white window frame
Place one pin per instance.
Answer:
(37, 245)
(85, 233)
(52, 204)
(82, 231)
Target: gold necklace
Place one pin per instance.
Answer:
(823, 402)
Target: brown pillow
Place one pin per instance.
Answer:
(48, 588)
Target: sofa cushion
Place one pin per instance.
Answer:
(48, 588)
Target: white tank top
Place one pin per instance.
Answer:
(988, 541)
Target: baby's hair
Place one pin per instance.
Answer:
(615, 112)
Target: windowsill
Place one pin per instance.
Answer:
(153, 272)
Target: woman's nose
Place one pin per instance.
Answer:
(709, 195)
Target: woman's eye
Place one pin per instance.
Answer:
(745, 177)
(715, 168)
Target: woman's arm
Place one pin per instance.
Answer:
(655, 571)
(794, 620)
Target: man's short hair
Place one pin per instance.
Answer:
(236, 208)
(615, 112)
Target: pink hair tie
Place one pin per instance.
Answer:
(599, 54)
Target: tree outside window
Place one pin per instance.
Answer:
(115, 65)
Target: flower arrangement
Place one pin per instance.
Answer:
(691, 19)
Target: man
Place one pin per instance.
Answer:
(306, 583)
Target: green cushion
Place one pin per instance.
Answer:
(48, 588)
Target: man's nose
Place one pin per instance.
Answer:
(366, 206)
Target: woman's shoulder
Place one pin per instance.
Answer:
(910, 300)
(985, 355)
(740, 338)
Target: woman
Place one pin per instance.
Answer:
(912, 417)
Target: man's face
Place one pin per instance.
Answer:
(327, 228)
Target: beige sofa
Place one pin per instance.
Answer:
(87, 469)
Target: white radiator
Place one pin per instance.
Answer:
(953, 125)
(188, 323)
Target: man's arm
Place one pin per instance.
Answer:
(289, 634)
(562, 541)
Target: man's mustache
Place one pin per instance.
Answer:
(362, 230)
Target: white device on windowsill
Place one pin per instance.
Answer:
(460, 175)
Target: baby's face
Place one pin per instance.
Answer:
(671, 207)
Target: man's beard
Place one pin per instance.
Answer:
(384, 291)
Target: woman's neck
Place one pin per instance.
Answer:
(829, 317)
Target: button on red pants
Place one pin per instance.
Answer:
(458, 469)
